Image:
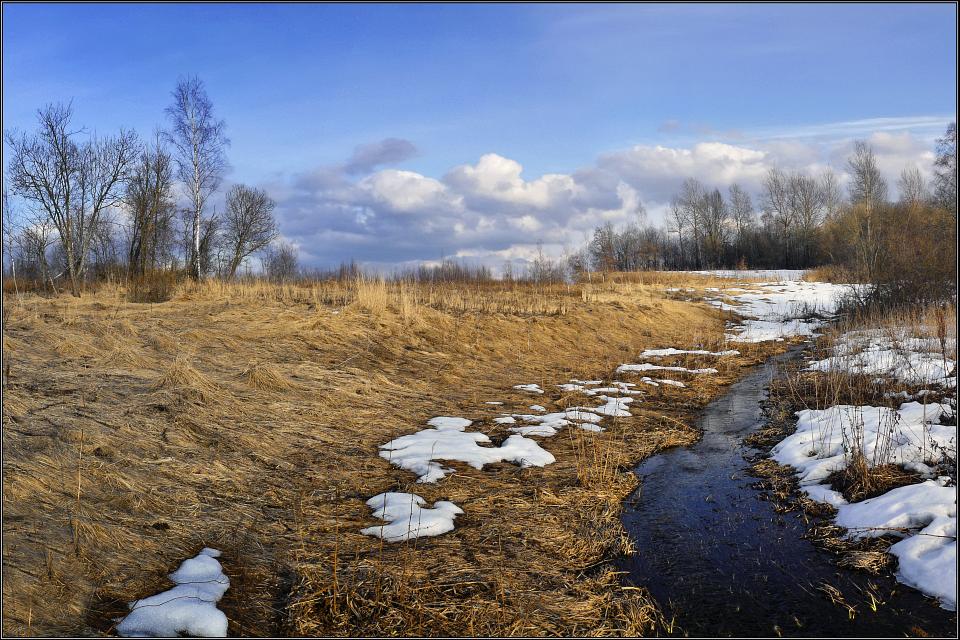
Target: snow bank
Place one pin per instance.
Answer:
(616, 407)
(911, 507)
(418, 452)
(778, 330)
(189, 608)
(909, 436)
(407, 518)
(928, 560)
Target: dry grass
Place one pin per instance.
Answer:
(260, 375)
(248, 418)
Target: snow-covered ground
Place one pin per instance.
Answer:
(780, 310)
(755, 274)
(891, 354)
(918, 436)
(188, 608)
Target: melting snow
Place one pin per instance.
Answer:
(407, 518)
(549, 424)
(670, 351)
(532, 388)
(908, 436)
(418, 452)
(779, 310)
(654, 367)
(870, 353)
(188, 608)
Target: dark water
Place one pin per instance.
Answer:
(724, 563)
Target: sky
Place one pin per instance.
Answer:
(392, 134)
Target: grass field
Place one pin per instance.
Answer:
(247, 418)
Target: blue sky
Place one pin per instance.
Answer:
(611, 97)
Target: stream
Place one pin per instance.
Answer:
(722, 562)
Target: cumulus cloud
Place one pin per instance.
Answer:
(488, 211)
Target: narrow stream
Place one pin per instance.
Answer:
(722, 562)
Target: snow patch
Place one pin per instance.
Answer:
(188, 608)
(655, 367)
(531, 388)
(408, 518)
(419, 451)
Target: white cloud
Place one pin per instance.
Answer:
(489, 212)
(408, 192)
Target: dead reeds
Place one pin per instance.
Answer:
(247, 417)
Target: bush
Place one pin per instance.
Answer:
(153, 286)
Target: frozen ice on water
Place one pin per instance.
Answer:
(407, 517)
(188, 608)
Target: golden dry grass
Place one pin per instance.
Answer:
(248, 418)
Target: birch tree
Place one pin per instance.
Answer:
(200, 143)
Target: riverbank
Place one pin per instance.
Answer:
(862, 439)
(249, 419)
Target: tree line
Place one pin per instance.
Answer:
(92, 205)
(800, 221)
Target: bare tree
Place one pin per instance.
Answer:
(603, 248)
(806, 200)
(10, 239)
(71, 184)
(912, 187)
(248, 224)
(715, 227)
(832, 196)
(677, 222)
(281, 262)
(742, 215)
(693, 201)
(149, 199)
(200, 144)
(945, 179)
(867, 187)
